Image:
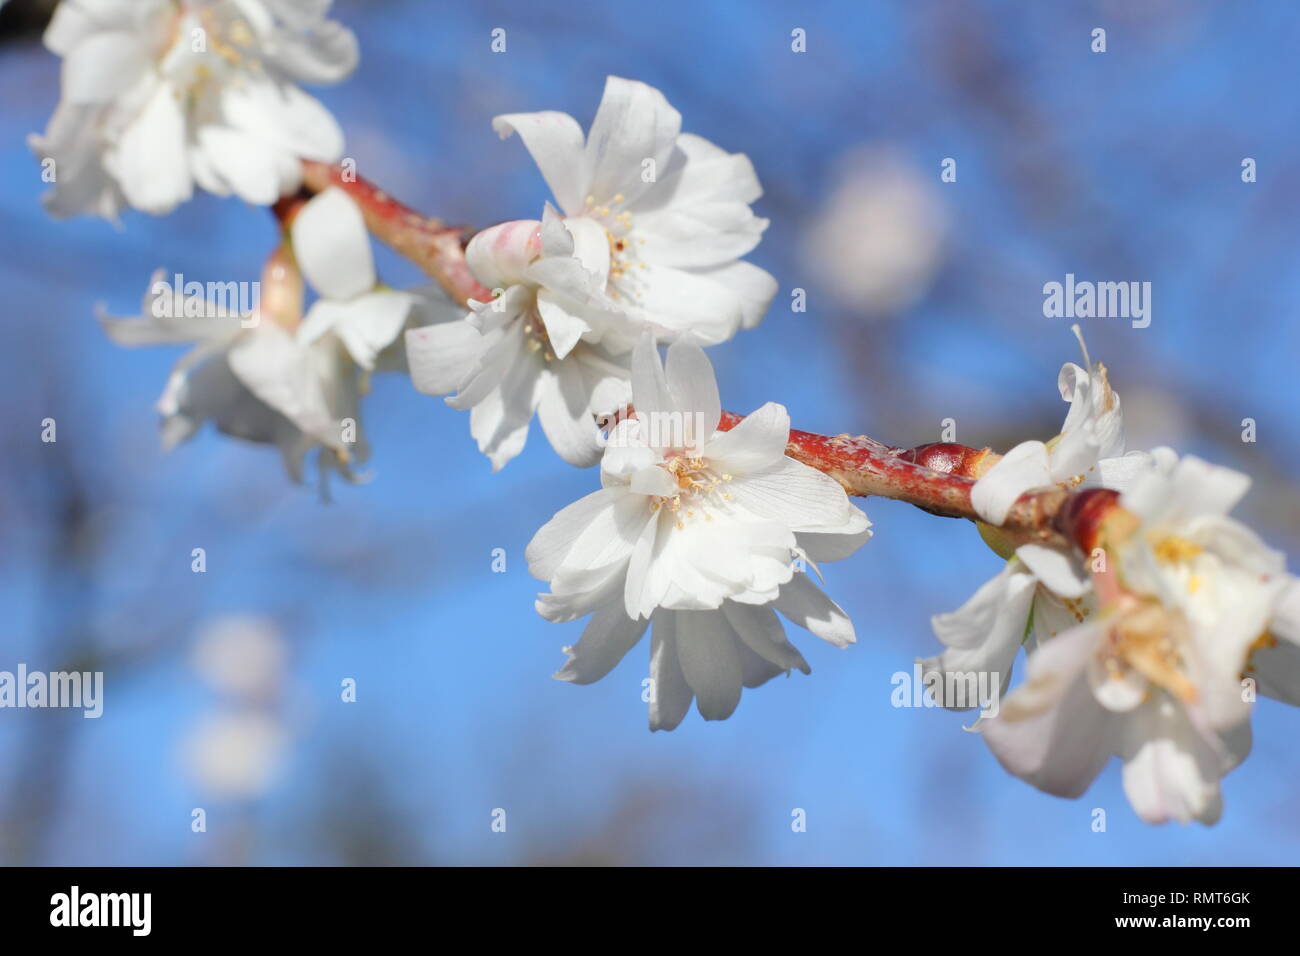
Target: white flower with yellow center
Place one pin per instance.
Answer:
(1157, 675)
(697, 531)
(661, 216)
(1043, 589)
(162, 95)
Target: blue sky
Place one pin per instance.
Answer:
(1122, 166)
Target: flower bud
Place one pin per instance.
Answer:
(499, 254)
(280, 298)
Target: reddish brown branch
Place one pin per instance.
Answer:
(438, 249)
(866, 467)
(932, 477)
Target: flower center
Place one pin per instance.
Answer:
(202, 44)
(698, 488)
(1146, 637)
(622, 244)
(535, 337)
(1172, 549)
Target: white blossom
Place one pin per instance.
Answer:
(161, 96)
(253, 379)
(528, 353)
(235, 753)
(1157, 675)
(1088, 450)
(695, 531)
(661, 215)
(1044, 588)
(654, 222)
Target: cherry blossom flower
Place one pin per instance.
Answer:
(255, 380)
(1156, 676)
(529, 351)
(160, 96)
(1043, 589)
(660, 215)
(654, 223)
(695, 532)
(1089, 449)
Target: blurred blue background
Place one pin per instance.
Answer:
(924, 302)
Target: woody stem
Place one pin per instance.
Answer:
(863, 466)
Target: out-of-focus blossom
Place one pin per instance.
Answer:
(161, 96)
(234, 754)
(253, 379)
(876, 242)
(1159, 675)
(242, 655)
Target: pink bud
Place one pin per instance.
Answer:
(499, 254)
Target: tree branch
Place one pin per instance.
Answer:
(931, 477)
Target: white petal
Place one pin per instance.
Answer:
(650, 392)
(1023, 468)
(710, 661)
(103, 67)
(633, 124)
(606, 639)
(825, 546)
(1050, 731)
(755, 443)
(150, 160)
(645, 583)
(693, 386)
(653, 481)
(699, 236)
(754, 287)
(803, 603)
(565, 417)
(675, 301)
(761, 630)
(1060, 571)
(971, 624)
(499, 422)
(366, 325)
(554, 540)
(283, 374)
(326, 53)
(1169, 772)
(443, 355)
(563, 328)
(1120, 473)
(555, 142)
(670, 696)
(799, 497)
(333, 247)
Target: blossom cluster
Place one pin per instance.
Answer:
(1149, 623)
